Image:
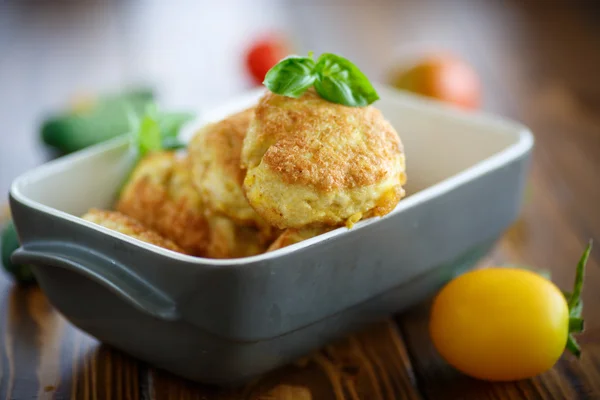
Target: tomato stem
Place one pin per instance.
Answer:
(573, 347)
(578, 286)
(575, 304)
(575, 324)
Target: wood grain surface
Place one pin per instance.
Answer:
(539, 63)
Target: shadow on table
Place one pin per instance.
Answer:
(365, 365)
(102, 371)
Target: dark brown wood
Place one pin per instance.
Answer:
(541, 80)
(45, 357)
(569, 379)
(539, 63)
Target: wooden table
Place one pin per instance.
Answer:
(539, 63)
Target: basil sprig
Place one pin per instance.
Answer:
(156, 131)
(334, 78)
(292, 76)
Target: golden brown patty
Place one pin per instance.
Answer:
(292, 236)
(128, 226)
(215, 154)
(311, 162)
(160, 194)
(229, 240)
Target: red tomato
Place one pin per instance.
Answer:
(444, 77)
(263, 55)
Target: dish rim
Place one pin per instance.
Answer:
(523, 144)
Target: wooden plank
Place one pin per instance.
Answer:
(370, 365)
(45, 357)
(569, 379)
(540, 81)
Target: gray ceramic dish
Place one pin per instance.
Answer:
(225, 321)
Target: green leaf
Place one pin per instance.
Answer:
(335, 79)
(291, 77)
(172, 143)
(575, 298)
(171, 123)
(573, 346)
(575, 324)
(156, 131)
(148, 136)
(577, 309)
(340, 81)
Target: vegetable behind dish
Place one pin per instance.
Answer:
(92, 120)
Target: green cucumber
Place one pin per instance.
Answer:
(9, 243)
(102, 119)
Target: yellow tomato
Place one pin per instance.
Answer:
(500, 324)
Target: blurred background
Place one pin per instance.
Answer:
(537, 61)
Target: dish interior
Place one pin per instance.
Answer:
(439, 143)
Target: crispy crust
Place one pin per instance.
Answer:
(160, 195)
(310, 141)
(128, 226)
(229, 240)
(293, 236)
(312, 163)
(215, 152)
(223, 141)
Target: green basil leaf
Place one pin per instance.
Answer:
(340, 81)
(172, 143)
(153, 131)
(291, 77)
(156, 131)
(171, 123)
(148, 136)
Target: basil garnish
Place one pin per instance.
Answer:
(291, 77)
(335, 79)
(156, 131)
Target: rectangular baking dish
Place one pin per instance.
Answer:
(226, 321)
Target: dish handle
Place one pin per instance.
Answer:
(110, 274)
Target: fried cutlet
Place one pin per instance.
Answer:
(292, 236)
(215, 154)
(128, 226)
(160, 194)
(311, 162)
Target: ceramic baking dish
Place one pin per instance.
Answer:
(225, 321)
